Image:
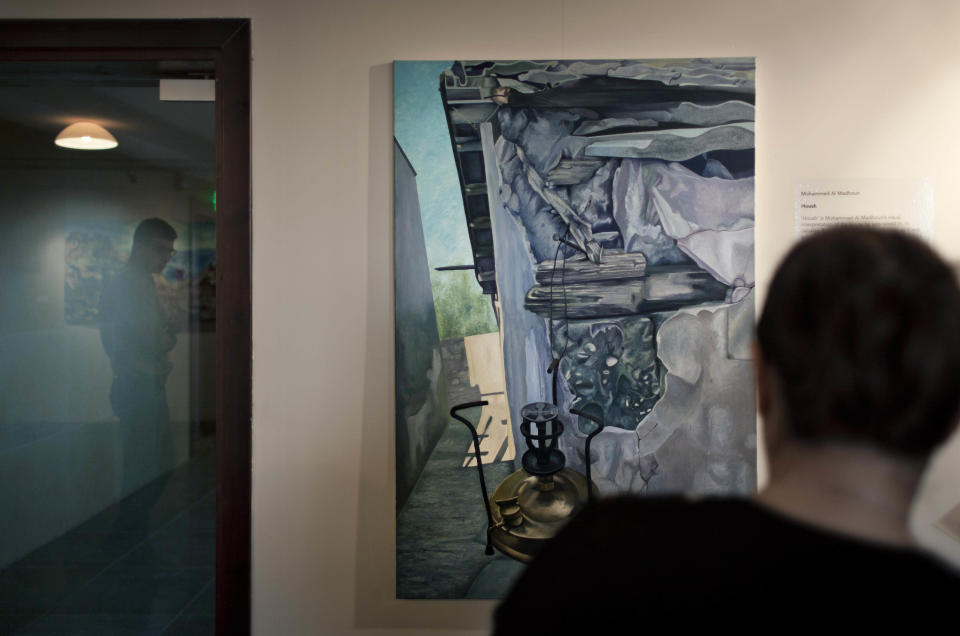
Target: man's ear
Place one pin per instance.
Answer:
(769, 402)
(762, 379)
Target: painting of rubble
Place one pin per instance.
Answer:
(606, 213)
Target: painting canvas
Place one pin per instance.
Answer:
(572, 232)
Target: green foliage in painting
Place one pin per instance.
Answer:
(461, 309)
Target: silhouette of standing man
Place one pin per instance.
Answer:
(137, 336)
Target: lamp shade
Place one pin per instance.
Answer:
(86, 135)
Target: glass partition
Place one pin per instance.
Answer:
(107, 348)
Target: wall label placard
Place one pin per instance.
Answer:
(903, 204)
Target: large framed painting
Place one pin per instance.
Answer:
(574, 280)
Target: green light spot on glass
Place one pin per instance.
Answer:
(213, 200)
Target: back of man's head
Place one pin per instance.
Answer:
(862, 327)
(150, 229)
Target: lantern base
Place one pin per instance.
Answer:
(528, 510)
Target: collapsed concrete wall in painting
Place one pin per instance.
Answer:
(620, 199)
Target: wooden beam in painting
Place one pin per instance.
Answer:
(673, 144)
(626, 94)
(666, 289)
(615, 266)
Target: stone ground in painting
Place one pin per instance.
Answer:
(441, 529)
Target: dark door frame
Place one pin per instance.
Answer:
(226, 42)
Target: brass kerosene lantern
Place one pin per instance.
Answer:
(531, 505)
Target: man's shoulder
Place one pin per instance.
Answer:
(126, 275)
(753, 547)
(670, 514)
(122, 287)
(711, 560)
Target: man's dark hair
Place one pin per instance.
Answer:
(862, 327)
(149, 229)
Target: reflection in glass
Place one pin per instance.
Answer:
(107, 354)
(137, 336)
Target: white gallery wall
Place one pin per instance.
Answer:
(844, 90)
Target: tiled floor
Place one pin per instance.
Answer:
(144, 566)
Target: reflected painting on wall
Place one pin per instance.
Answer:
(577, 235)
(96, 250)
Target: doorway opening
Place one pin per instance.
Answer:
(124, 418)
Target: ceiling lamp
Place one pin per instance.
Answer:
(86, 135)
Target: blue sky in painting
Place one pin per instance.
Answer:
(420, 126)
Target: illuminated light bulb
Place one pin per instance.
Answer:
(86, 135)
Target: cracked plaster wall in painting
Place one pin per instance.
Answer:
(674, 386)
